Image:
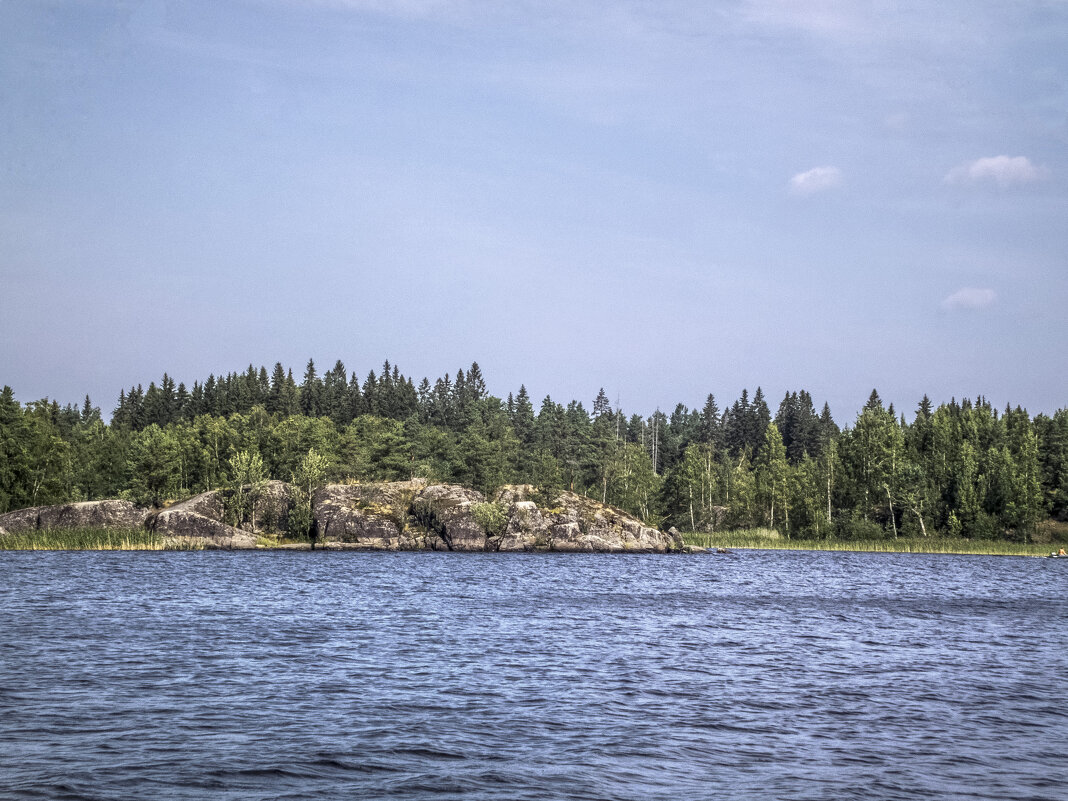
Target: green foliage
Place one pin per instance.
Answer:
(307, 476)
(491, 516)
(426, 515)
(248, 485)
(155, 465)
(857, 527)
(961, 468)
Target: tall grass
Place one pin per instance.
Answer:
(95, 539)
(760, 539)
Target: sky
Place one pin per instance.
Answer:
(665, 199)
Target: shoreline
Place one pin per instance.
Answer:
(957, 546)
(725, 547)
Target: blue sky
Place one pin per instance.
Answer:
(665, 199)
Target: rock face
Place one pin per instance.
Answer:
(274, 507)
(203, 517)
(87, 514)
(448, 511)
(198, 519)
(374, 516)
(576, 523)
(410, 515)
(400, 515)
(527, 528)
(21, 519)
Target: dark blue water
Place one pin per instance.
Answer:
(509, 676)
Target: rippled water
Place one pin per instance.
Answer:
(509, 676)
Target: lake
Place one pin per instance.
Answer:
(339, 675)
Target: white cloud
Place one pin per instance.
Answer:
(1004, 171)
(818, 179)
(970, 298)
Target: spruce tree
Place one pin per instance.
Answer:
(311, 392)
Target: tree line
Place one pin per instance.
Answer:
(961, 469)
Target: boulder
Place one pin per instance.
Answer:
(187, 525)
(86, 514)
(577, 523)
(373, 516)
(201, 517)
(21, 519)
(527, 529)
(210, 504)
(448, 510)
(399, 515)
(675, 537)
(272, 510)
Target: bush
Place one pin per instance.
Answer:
(856, 527)
(491, 517)
(425, 515)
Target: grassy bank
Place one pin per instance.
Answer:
(771, 540)
(92, 539)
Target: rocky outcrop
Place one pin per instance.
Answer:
(411, 515)
(451, 512)
(87, 514)
(527, 528)
(272, 510)
(201, 518)
(575, 523)
(21, 519)
(373, 516)
(400, 515)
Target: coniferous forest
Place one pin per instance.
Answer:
(959, 469)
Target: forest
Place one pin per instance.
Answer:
(961, 469)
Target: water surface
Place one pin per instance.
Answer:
(788, 675)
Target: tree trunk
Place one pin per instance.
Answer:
(786, 512)
(828, 497)
(693, 526)
(919, 516)
(890, 501)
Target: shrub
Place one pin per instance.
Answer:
(856, 527)
(491, 517)
(426, 516)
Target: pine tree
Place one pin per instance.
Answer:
(476, 385)
(311, 392)
(274, 396)
(290, 401)
(601, 405)
(709, 429)
(334, 403)
(89, 414)
(371, 396)
(357, 404)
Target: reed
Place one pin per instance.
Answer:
(94, 539)
(759, 539)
